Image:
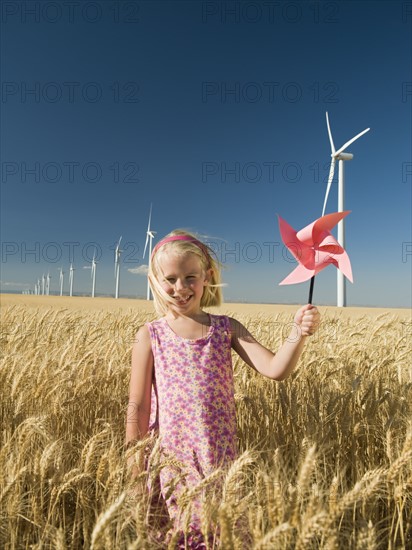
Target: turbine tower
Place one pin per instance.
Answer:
(149, 238)
(117, 253)
(340, 156)
(43, 284)
(61, 279)
(71, 277)
(93, 273)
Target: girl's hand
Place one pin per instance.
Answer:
(137, 481)
(137, 491)
(308, 319)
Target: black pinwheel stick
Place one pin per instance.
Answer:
(312, 284)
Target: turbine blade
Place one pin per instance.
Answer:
(145, 244)
(148, 230)
(330, 179)
(117, 252)
(350, 141)
(116, 259)
(332, 145)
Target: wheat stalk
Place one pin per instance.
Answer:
(104, 520)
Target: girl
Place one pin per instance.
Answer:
(181, 379)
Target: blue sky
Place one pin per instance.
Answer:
(215, 113)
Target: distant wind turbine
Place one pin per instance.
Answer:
(93, 273)
(43, 284)
(117, 254)
(48, 284)
(149, 238)
(340, 156)
(71, 277)
(61, 279)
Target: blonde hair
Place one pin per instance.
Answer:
(212, 294)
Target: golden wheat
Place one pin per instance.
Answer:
(325, 456)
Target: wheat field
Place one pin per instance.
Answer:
(325, 456)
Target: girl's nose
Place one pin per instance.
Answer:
(179, 284)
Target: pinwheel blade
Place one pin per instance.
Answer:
(351, 141)
(299, 275)
(328, 222)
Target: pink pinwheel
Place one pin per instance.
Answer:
(314, 247)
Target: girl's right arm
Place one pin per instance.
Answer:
(138, 410)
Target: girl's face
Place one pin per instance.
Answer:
(184, 279)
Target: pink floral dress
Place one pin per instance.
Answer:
(193, 406)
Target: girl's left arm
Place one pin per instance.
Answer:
(276, 366)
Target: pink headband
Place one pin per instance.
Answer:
(181, 238)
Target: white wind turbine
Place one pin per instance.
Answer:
(149, 238)
(38, 286)
(93, 273)
(43, 284)
(117, 253)
(340, 156)
(61, 280)
(71, 277)
(48, 284)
